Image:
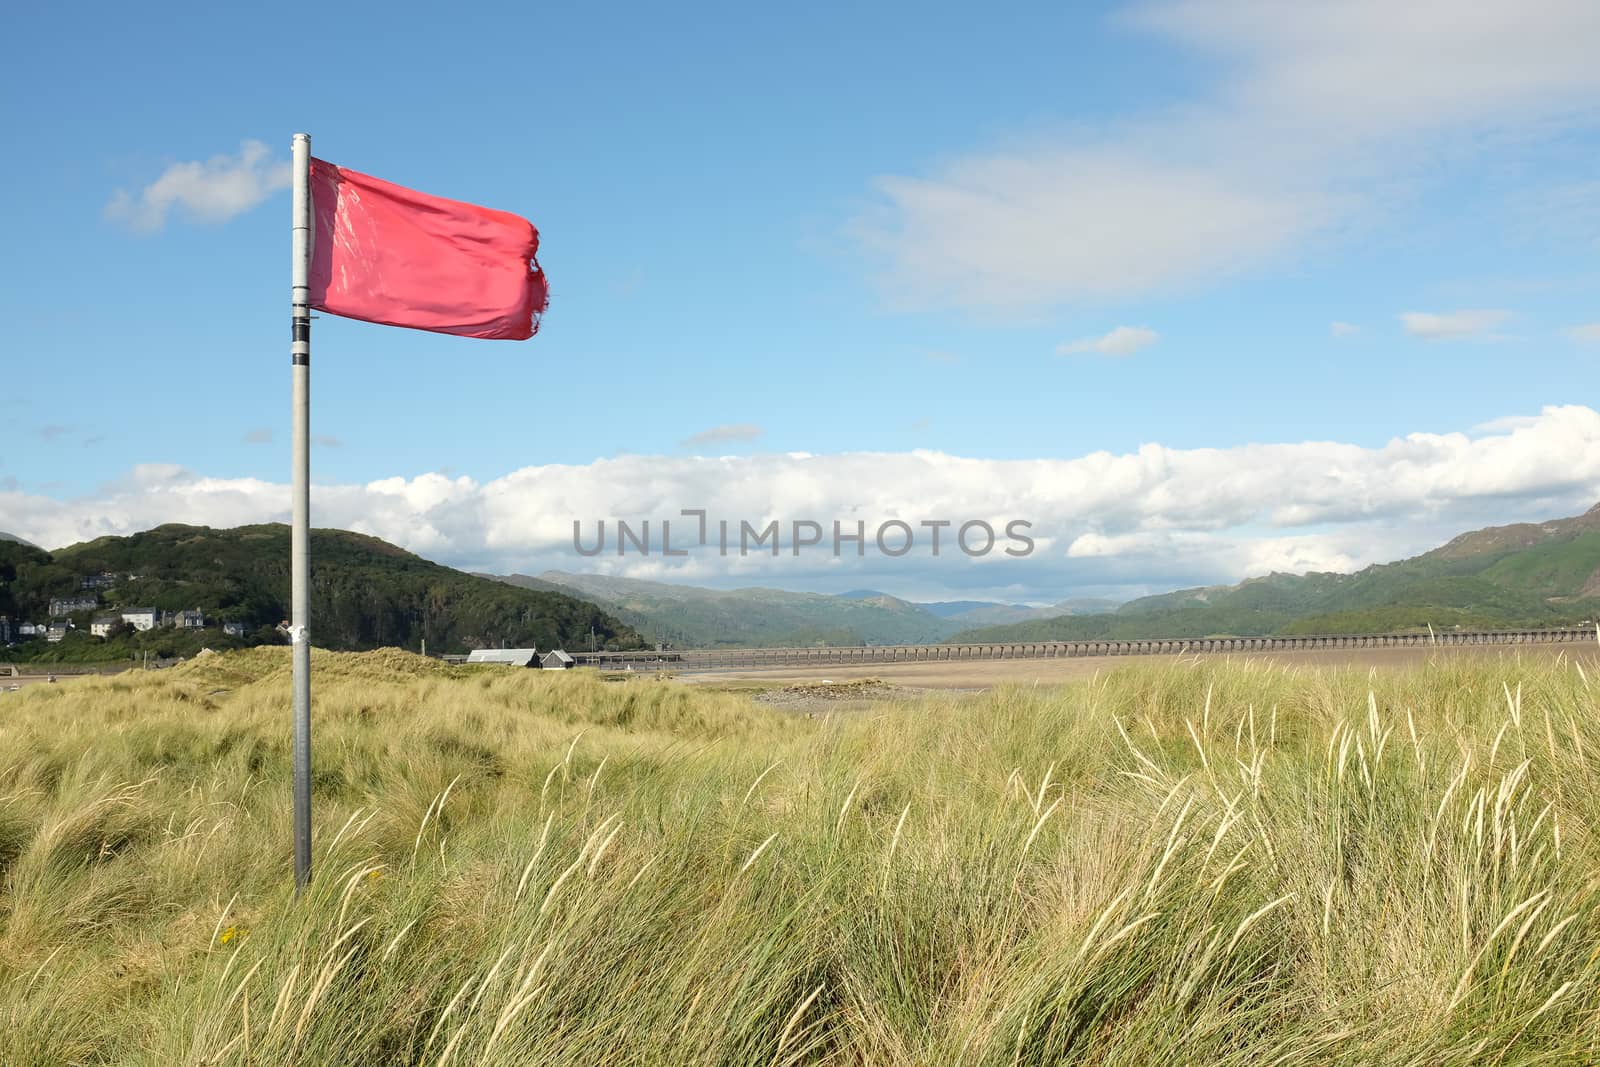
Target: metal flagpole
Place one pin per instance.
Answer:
(300, 532)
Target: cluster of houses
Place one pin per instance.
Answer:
(63, 607)
(555, 659)
(143, 619)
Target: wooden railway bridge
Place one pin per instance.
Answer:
(703, 659)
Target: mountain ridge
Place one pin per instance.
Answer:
(1518, 574)
(365, 593)
(698, 616)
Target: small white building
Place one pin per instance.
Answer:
(142, 618)
(102, 625)
(511, 657)
(189, 620)
(30, 629)
(557, 660)
(57, 631)
(233, 628)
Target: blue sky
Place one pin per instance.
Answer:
(825, 231)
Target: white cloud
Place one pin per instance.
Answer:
(1122, 341)
(732, 431)
(1343, 329)
(1154, 518)
(1507, 423)
(1367, 65)
(213, 190)
(1321, 112)
(1035, 228)
(1588, 333)
(1474, 325)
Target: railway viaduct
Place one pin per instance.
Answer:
(728, 658)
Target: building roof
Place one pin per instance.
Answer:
(517, 657)
(558, 655)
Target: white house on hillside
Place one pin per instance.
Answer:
(141, 618)
(102, 625)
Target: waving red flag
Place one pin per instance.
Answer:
(386, 254)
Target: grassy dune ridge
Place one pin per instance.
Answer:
(1214, 862)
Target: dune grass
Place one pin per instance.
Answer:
(1214, 862)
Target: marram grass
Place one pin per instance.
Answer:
(1208, 863)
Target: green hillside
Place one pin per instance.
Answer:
(1529, 574)
(366, 593)
(693, 617)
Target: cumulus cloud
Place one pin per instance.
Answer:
(1475, 325)
(1343, 329)
(1150, 519)
(1589, 333)
(210, 191)
(1122, 341)
(1318, 110)
(732, 431)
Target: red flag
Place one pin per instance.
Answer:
(385, 254)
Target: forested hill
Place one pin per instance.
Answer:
(365, 593)
(1527, 574)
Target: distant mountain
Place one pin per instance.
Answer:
(525, 581)
(954, 609)
(1528, 574)
(693, 616)
(365, 593)
(16, 540)
(690, 616)
(979, 613)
